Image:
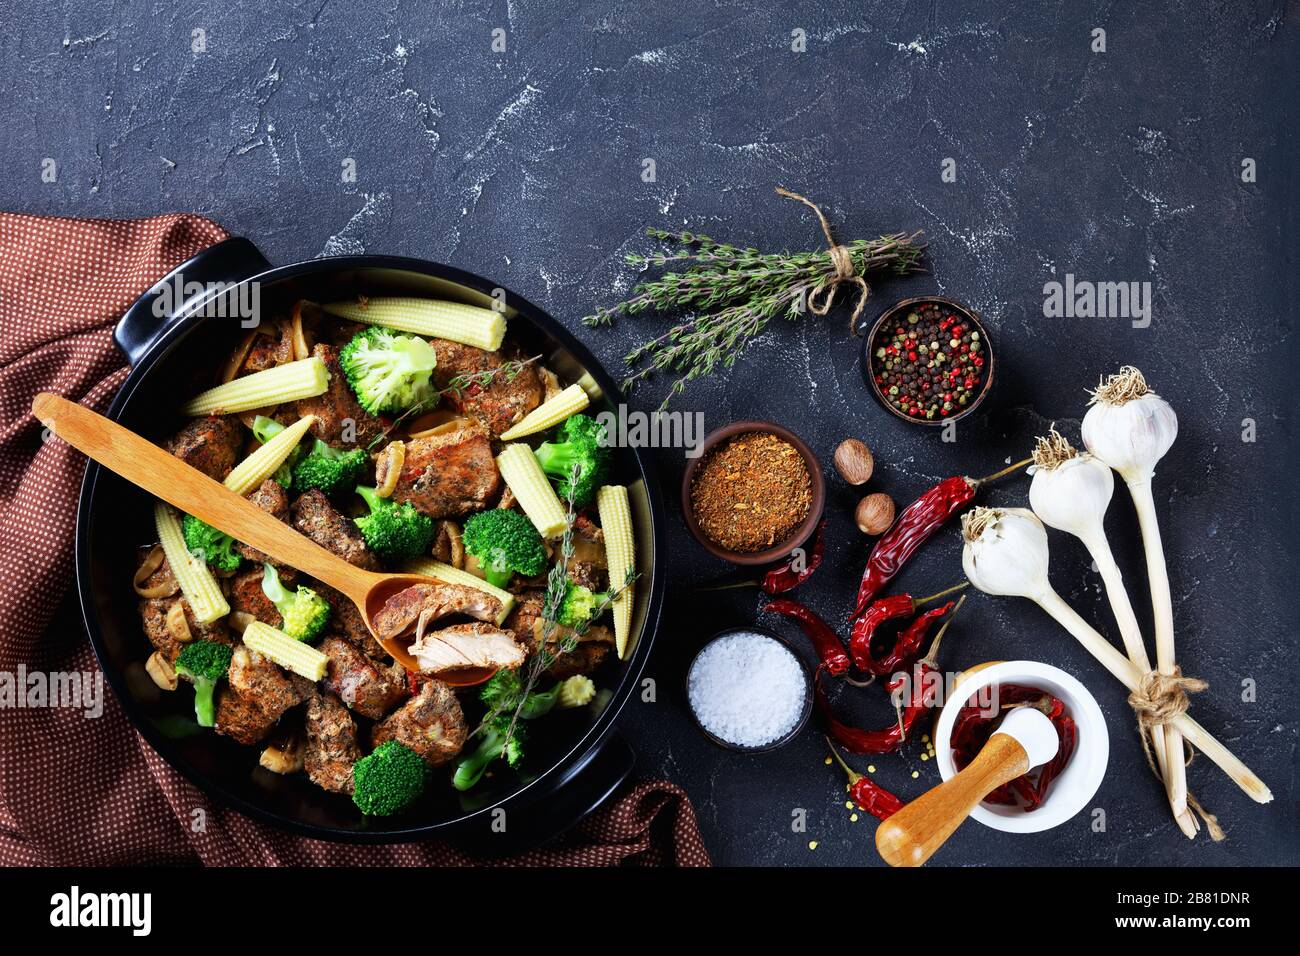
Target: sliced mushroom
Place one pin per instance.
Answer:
(177, 624)
(284, 754)
(163, 674)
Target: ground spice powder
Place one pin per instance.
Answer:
(751, 492)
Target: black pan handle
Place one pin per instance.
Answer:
(580, 788)
(230, 262)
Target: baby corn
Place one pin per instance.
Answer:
(468, 324)
(305, 378)
(569, 402)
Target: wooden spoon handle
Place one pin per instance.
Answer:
(914, 833)
(167, 477)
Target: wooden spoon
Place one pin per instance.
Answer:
(167, 477)
(1025, 739)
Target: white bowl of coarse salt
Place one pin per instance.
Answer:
(748, 690)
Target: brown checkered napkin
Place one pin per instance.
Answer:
(92, 792)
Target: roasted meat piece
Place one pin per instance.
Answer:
(369, 688)
(431, 723)
(255, 694)
(246, 595)
(331, 744)
(346, 621)
(403, 610)
(503, 402)
(313, 515)
(337, 406)
(210, 444)
(272, 346)
(274, 500)
(592, 650)
(446, 475)
(166, 633)
(466, 646)
(583, 659)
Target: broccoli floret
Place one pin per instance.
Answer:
(505, 542)
(305, 612)
(388, 371)
(216, 547)
(204, 663)
(580, 605)
(330, 470)
(388, 780)
(394, 532)
(502, 692)
(581, 445)
(469, 770)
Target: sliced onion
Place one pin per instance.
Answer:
(301, 348)
(550, 383)
(166, 588)
(442, 422)
(236, 361)
(590, 552)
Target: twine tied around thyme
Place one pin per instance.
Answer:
(842, 261)
(1158, 700)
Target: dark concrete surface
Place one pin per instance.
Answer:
(525, 165)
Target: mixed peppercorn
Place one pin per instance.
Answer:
(931, 365)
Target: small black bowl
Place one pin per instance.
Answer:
(807, 700)
(890, 317)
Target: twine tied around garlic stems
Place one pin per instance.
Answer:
(841, 260)
(1157, 701)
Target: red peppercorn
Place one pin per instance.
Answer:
(911, 356)
(979, 362)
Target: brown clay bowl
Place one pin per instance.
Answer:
(797, 537)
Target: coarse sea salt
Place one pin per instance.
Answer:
(747, 689)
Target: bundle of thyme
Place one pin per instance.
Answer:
(732, 293)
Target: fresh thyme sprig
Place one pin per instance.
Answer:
(557, 586)
(731, 293)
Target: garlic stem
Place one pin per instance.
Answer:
(1129, 675)
(1163, 611)
(1120, 605)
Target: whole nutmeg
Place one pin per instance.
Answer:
(854, 461)
(875, 513)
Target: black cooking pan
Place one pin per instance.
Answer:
(175, 344)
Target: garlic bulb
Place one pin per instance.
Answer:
(1005, 552)
(1070, 491)
(1128, 426)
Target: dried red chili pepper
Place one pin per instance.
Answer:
(866, 793)
(913, 527)
(907, 647)
(790, 573)
(862, 741)
(827, 644)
